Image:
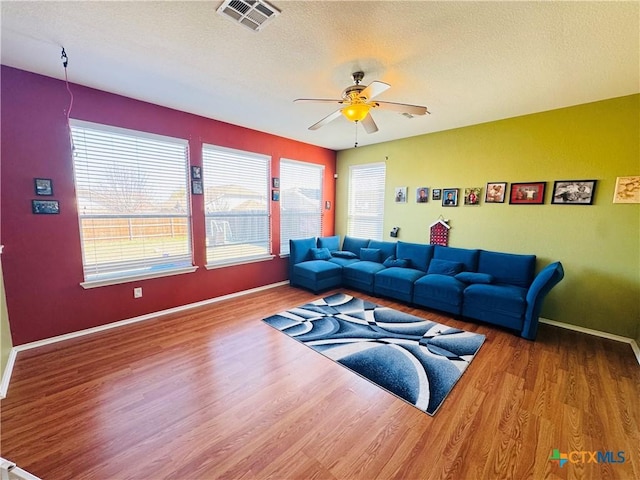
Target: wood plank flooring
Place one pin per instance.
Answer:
(215, 393)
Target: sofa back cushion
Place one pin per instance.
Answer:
(352, 244)
(468, 257)
(419, 255)
(371, 255)
(387, 249)
(332, 243)
(509, 268)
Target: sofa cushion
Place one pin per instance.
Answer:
(468, 257)
(474, 277)
(317, 270)
(418, 255)
(442, 292)
(343, 254)
(444, 267)
(332, 243)
(506, 300)
(352, 244)
(370, 255)
(320, 254)
(300, 249)
(387, 248)
(396, 262)
(508, 268)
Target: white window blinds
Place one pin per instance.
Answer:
(236, 202)
(300, 201)
(366, 200)
(132, 200)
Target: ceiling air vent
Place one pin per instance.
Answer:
(253, 14)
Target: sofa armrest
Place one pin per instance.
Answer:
(540, 287)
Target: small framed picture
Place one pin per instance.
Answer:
(436, 194)
(196, 187)
(275, 195)
(450, 197)
(472, 195)
(196, 172)
(527, 193)
(45, 207)
(401, 194)
(43, 186)
(422, 195)
(627, 190)
(495, 192)
(327, 205)
(275, 182)
(573, 192)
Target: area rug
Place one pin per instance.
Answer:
(416, 359)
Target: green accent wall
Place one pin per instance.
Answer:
(599, 245)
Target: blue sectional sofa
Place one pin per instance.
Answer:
(493, 287)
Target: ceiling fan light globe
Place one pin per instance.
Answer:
(356, 112)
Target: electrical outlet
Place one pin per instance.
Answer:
(137, 292)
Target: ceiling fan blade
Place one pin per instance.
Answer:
(319, 100)
(329, 118)
(374, 89)
(369, 125)
(401, 107)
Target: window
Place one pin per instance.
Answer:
(133, 207)
(366, 200)
(300, 201)
(236, 204)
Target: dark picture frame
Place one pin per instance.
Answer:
(422, 194)
(472, 195)
(436, 194)
(275, 195)
(527, 193)
(450, 197)
(43, 186)
(275, 182)
(45, 207)
(196, 187)
(496, 192)
(196, 172)
(573, 192)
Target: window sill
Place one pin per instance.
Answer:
(135, 278)
(242, 261)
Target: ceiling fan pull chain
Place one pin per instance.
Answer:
(356, 144)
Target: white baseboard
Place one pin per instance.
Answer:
(596, 333)
(6, 375)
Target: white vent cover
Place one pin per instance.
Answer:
(253, 14)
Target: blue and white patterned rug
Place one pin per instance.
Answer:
(416, 359)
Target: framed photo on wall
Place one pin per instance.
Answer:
(627, 190)
(45, 207)
(472, 195)
(43, 186)
(450, 197)
(196, 172)
(401, 195)
(527, 193)
(436, 194)
(495, 192)
(573, 192)
(422, 194)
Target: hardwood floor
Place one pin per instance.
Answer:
(216, 393)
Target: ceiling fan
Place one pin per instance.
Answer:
(357, 101)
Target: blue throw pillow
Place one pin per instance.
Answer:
(320, 254)
(343, 254)
(396, 262)
(370, 254)
(444, 267)
(474, 277)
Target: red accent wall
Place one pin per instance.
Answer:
(42, 261)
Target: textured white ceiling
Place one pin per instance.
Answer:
(468, 62)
